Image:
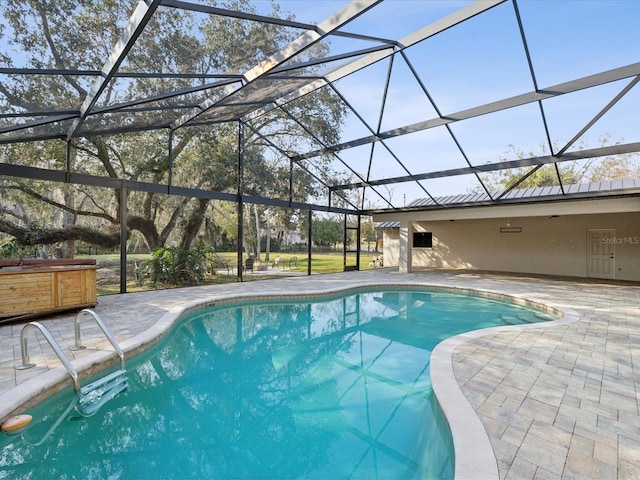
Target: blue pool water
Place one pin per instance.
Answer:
(337, 388)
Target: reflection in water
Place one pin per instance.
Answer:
(339, 388)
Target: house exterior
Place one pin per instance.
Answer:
(596, 237)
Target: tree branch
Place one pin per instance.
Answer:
(54, 51)
(29, 236)
(61, 206)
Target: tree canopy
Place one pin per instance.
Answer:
(204, 157)
(619, 167)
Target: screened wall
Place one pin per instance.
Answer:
(215, 120)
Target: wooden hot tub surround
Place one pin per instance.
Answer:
(33, 287)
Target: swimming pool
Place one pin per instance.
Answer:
(334, 388)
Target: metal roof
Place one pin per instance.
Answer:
(551, 193)
(554, 192)
(422, 117)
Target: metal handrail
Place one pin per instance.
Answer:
(103, 327)
(54, 345)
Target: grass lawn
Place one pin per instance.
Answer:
(108, 274)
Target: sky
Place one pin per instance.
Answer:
(482, 61)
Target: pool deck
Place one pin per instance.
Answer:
(555, 401)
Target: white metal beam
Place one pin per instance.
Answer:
(516, 101)
(619, 149)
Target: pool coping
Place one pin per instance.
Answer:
(474, 456)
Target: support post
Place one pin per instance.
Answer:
(67, 174)
(406, 247)
(290, 182)
(358, 241)
(309, 233)
(239, 201)
(170, 162)
(123, 238)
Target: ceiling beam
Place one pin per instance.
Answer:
(60, 176)
(517, 101)
(430, 30)
(64, 72)
(139, 19)
(304, 41)
(210, 10)
(600, 114)
(492, 167)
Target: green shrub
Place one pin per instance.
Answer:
(9, 248)
(176, 266)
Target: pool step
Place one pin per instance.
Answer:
(544, 316)
(528, 317)
(94, 395)
(510, 319)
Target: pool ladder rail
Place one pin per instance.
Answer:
(94, 395)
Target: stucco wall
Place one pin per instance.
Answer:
(391, 243)
(546, 245)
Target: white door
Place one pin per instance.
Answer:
(601, 249)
